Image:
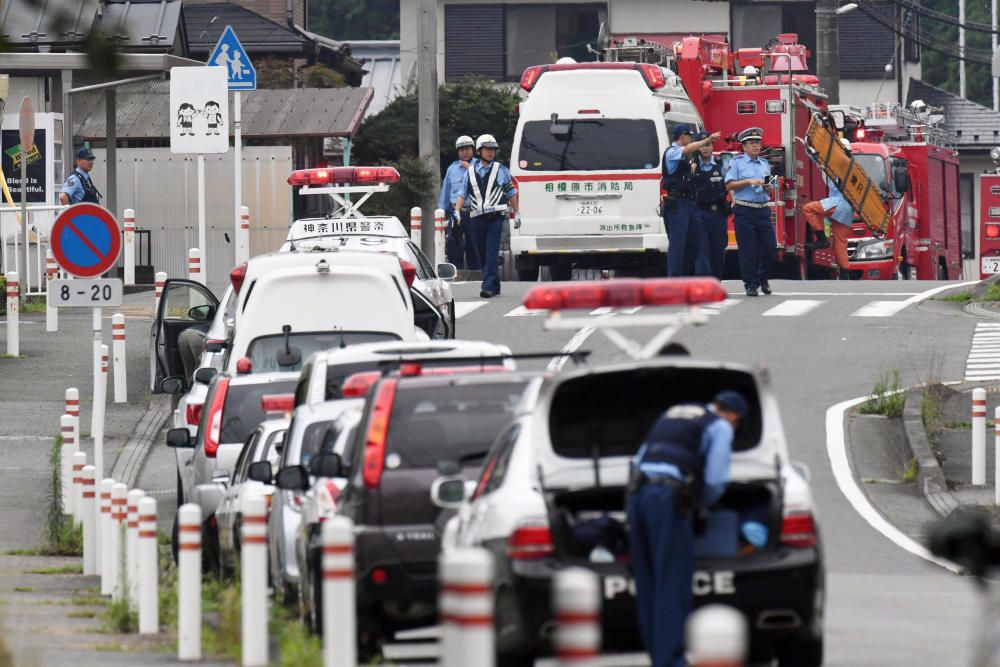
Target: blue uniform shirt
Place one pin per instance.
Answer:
(706, 165)
(671, 158)
(503, 178)
(716, 447)
(843, 212)
(73, 187)
(742, 167)
(454, 180)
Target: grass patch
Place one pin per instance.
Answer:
(119, 617)
(886, 398)
(961, 297)
(992, 293)
(909, 473)
(89, 600)
(13, 356)
(82, 613)
(60, 569)
(958, 426)
(23, 589)
(110, 648)
(930, 408)
(224, 639)
(297, 647)
(62, 538)
(33, 305)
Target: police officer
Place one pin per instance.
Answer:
(747, 179)
(713, 210)
(490, 191)
(460, 249)
(680, 214)
(682, 466)
(79, 187)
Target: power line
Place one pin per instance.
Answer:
(971, 55)
(944, 18)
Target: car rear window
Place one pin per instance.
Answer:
(242, 412)
(611, 413)
(591, 145)
(263, 351)
(456, 422)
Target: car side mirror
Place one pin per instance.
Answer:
(205, 375)
(202, 313)
(446, 271)
(174, 385)
(327, 465)
(448, 492)
(216, 346)
(901, 180)
(292, 478)
(260, 471)
(179, 438)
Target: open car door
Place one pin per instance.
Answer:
(184, 304)
(428, 318)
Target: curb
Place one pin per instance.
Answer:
(133, 455)
(979, 311)
(930, 478)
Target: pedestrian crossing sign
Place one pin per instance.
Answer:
(229, 53)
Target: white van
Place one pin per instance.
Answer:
(586, 158)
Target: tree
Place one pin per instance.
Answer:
(941, 70)
(355, 19)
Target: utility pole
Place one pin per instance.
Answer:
(828, 49)
(961, 48)
(993, 42)
(427, 126)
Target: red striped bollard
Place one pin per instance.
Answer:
(133, 499)
(128, 247)
(99, 408)
(194, 265)
(73, 402)
(158, 282)
(118, 515)
(13, 308)
(979, 436)
(79, 460)
(189, 582)
(716, 637)
(439, 229)
(416, 218)
(466, 604)
(51, 273)
(245, 230)
(253, 579)
(577, 605)
(89, 521)
(66, 463)
(104, 535)
(149, 569)
(339, 622)
(118, 350)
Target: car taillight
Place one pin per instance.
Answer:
(237, 275)
(193, 413)
(798, 530)
(530, 542)
(359, 384)
(409, 272)
(378, 432)
(530, 77)
(992, 231)
(214, 430)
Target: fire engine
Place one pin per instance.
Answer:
(989, 219)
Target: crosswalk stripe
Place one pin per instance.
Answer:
(463, 308)
(983, 362)
(880, 309)
(792, 308)
(521, 311)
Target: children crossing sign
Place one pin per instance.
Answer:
(229, 53)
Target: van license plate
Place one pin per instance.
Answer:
(991, 264)
(590, 207)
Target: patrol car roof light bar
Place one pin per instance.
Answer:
(339, 181)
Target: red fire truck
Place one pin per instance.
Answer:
(989, 219)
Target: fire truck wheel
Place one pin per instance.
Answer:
(942, 271)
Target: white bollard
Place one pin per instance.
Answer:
(118, 345)
(118, 514)
(339, 623)
(716, 637)
(189, 582)
(104, 537)
(416, 216)
(978, 436)
(149, 569)
(13, 335)
(51, 273)
(73, 403)
(466, 608)
(66, 463)
(159, 280)
(194, 265)
(89, 522)
(439, 230)
(996, 456)
(244, 240)
(129, 247)
(133, 499)
(253, 579)
(577, 605)
(100, 403)
(79, 461)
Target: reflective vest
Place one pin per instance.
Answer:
(676, 438)
(709, 186)
(485, 194)
(90, 192)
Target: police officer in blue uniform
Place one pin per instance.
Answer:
(682, 466)
(490, 191)
(79, 187)
(460, 249)
(680, 213)
(713, 209)
(747, 179)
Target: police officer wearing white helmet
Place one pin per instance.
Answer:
(490, 191)
(460, 249)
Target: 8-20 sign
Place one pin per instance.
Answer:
(95, 293)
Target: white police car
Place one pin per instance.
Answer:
(346, 228)
(551, 493)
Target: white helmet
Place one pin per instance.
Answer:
(486, 141)
(463, 141)
(846, 144)
(750, 70)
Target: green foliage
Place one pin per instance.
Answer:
(992, 293)
(413, 182)
(62, 538)
(120, 618)
(297, 647)
(59, 569)
(355, 19)
(886, 399)
(275, 72)
(941, 70)
(961, 297)
(225, 638)
(930, 408)
(909, 473)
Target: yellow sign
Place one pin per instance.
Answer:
(15, 153)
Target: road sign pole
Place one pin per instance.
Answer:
(24, 221)
(241, 241)
(201, 213)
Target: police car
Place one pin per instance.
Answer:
(346, 228)
(551, 493)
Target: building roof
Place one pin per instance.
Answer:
(271, 113)
(973, 125)
(380, 59)
(258, 35)
(865, 46)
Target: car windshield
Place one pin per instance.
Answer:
(263, 352)
(873, 165)
(456, 422)
(590, 145)
(243, 412)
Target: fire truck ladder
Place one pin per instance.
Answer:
(864, 195)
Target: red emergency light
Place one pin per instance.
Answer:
(624, 293)
(652, 74)
(859, 134)
(993, 231)
(416, 369)
(344, 176)
(277, 402)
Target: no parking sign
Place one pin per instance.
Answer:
(86, 240)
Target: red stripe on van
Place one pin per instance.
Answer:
(641, 176)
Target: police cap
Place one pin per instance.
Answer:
(701, 135)
(680, 130)
(84, 154)
(732, 401)
(750, 134)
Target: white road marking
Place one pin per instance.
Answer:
(880, 309)
(521, 311)
(37, 438)
(847, 293)
(719, 306)
(792, 308)
(463, 308)
(574, 344)
(836, 449)
(983, 362)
